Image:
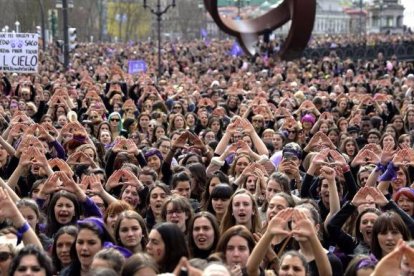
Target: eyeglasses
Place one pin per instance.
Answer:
(4, 256)
(115, 120)
(177, 212)
(290, 131)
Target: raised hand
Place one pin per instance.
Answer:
(278, 225)
(17, 130)
(321, 158)
(130, 179)
(85, 182)
(51, 185)
(26, 159)
(95, 185)
(181, 141)
(44, 132)
(365, 156)
(8, 209)
(119, 144)
(61, 165)
(303, 226)
(361, 196)
(232, 149)
(307, 105)
(328, 173)
(379, 197)
(247, 126)
(39, 158)
(20, 117)
(338, 158)
(196, 141)
(375, 148)
(319, 141)
(243, 147)
(289, 123)
(404, 157)
(80, 158)
(231, 128)
(390, 264)
(248, 170)
(71, 186)
(114, 180)
(387, 154)
(132, 147)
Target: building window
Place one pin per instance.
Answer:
(390, 21)
(375, 21)
(400, 21)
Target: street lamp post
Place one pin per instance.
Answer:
(43, 26)
(65, 34)
(158, 12)
(360, 17)
(17, 24)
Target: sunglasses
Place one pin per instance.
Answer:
(115, 120)
(4, 256)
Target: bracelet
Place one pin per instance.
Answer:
(380, 167)
(345, 168)
(20, 232)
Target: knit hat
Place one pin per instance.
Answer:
(308, 118)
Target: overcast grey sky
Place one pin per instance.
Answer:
(409, 12)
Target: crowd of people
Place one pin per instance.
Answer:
(223, 165)
(334, 41)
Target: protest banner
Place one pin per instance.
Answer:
(19, 52)
(136, 66)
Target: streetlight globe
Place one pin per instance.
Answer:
(17, 24)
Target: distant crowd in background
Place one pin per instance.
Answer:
(223, 165)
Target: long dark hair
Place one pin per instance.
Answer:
(358, 234)
(129, 214)
(198, 173)
(237, 230)
(43, 259)
(221, 191)
(175, 245)
(387, 221)
(69, 230)
(150, 218)
(52, 224)
(195, 251)
(97, 226)
(206, 195)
